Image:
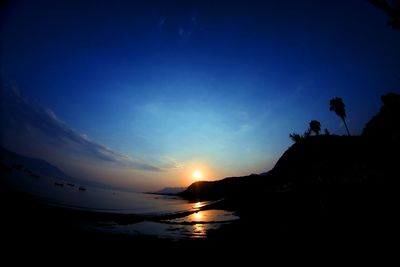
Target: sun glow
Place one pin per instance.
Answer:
(197, 216)
(197, 175)
(195, 172)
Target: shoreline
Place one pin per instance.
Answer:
(26, 221)
(95, 215)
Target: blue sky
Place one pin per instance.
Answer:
(180, 85)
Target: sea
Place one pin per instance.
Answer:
(164, 216)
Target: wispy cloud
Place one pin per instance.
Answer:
(23, 120)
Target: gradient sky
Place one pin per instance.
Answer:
(141, 93)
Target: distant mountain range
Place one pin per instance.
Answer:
(38, 166)
(42, 167)
(170, 190)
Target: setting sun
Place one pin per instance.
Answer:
(197, 175)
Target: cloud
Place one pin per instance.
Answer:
(167, 162)
(23, 121)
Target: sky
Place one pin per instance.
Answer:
(141, 94)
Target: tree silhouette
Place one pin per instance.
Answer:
(337, 105)
(315, 126)
(385, 125)
(392, 9)
(307, 133)
(295, 137)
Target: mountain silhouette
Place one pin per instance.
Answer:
(170, 190)
(38, 166)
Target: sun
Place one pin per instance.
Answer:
(197, 175)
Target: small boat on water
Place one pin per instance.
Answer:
(58, 184)
(81, 188)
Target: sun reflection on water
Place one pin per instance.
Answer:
(195, 225)
(199, 230)
(197, 216)
(198, 205)
(206, 216)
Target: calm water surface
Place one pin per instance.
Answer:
(195, 225)
(60, 193)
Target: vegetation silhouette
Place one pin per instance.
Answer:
(337, 105)
(392, 9)
(315, 126)
(385, 125)
(295, 137)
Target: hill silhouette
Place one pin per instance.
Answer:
(347, 182)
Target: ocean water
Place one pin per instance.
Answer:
(60, 193)
(188, 219)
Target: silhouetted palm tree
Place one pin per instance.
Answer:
(337, 105)
(315, 126)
